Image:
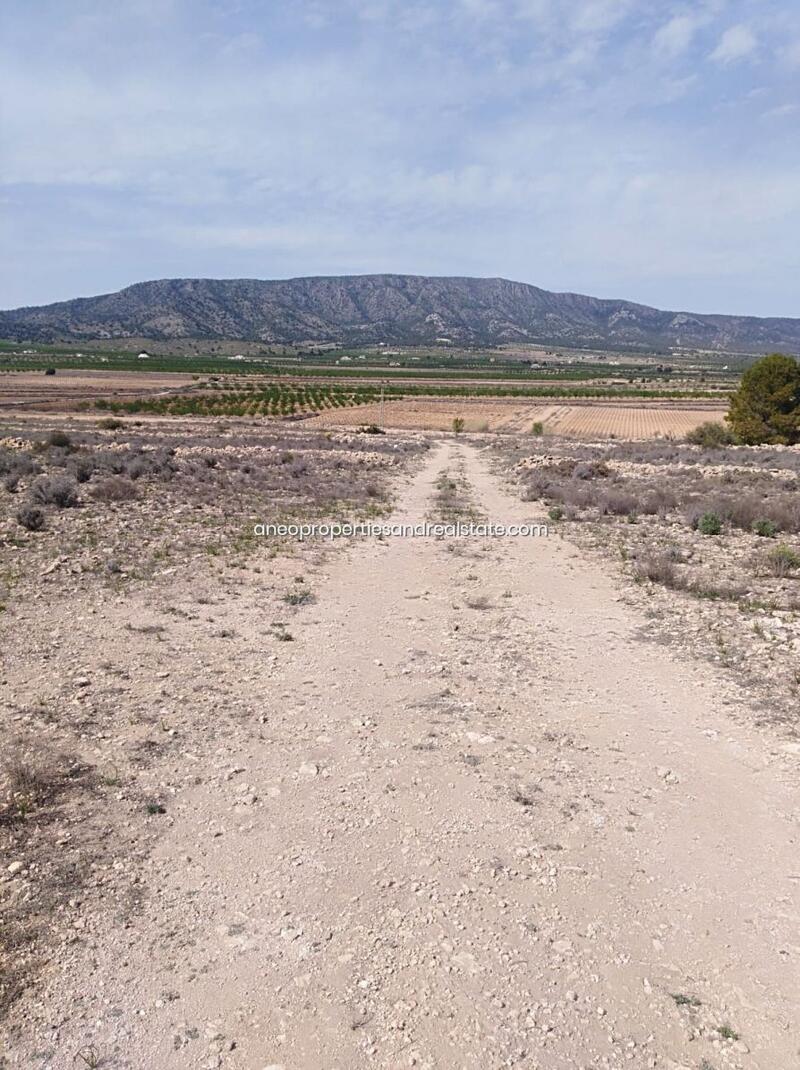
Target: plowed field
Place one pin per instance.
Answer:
(571, 419)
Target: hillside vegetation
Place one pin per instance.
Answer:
(396, 309)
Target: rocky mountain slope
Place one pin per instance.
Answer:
(388, 308)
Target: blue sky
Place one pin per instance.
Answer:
(621, 148)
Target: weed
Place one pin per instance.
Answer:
(682, 1000)
(299, 597)
(458, 425)
(89, 1057)
(727, 1033)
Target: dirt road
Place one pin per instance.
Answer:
(516, 834)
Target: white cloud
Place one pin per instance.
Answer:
(675, 36)
(525, 138)
(736, 43)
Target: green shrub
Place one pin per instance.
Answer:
(556, 513)
(765, 528)
(458, 424)
(711, 435)
(782, 560)
(709, 524)
(538, 428)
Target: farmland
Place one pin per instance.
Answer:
(571, 419)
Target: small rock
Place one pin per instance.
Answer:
(15, 867)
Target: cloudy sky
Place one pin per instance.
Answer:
(621, 148)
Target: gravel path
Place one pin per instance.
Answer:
(481, 823)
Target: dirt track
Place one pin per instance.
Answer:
(506, 835)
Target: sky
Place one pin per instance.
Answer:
(621, 148)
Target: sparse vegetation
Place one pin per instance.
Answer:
(682, 1000)
(299, 596)
(727, 1032)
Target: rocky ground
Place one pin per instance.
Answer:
(394, 802)
(118, 545)
(732, 594)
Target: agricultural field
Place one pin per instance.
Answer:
(276, 400)
(585, 420)
(35, 391)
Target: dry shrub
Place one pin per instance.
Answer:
(591, 470)
(30, 517)
(660, 568)
(30, 778)
(782, 561)
(617, 502)
(55, 490)
(658, 501)
(114, 489)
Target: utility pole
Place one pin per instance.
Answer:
(382, 385)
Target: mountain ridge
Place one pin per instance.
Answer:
(392, 308)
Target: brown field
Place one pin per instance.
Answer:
(573, 419)
(68, 387)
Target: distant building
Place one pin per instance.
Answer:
(143, 356)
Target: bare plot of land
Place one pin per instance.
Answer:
(425, 803)
(68, 387)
